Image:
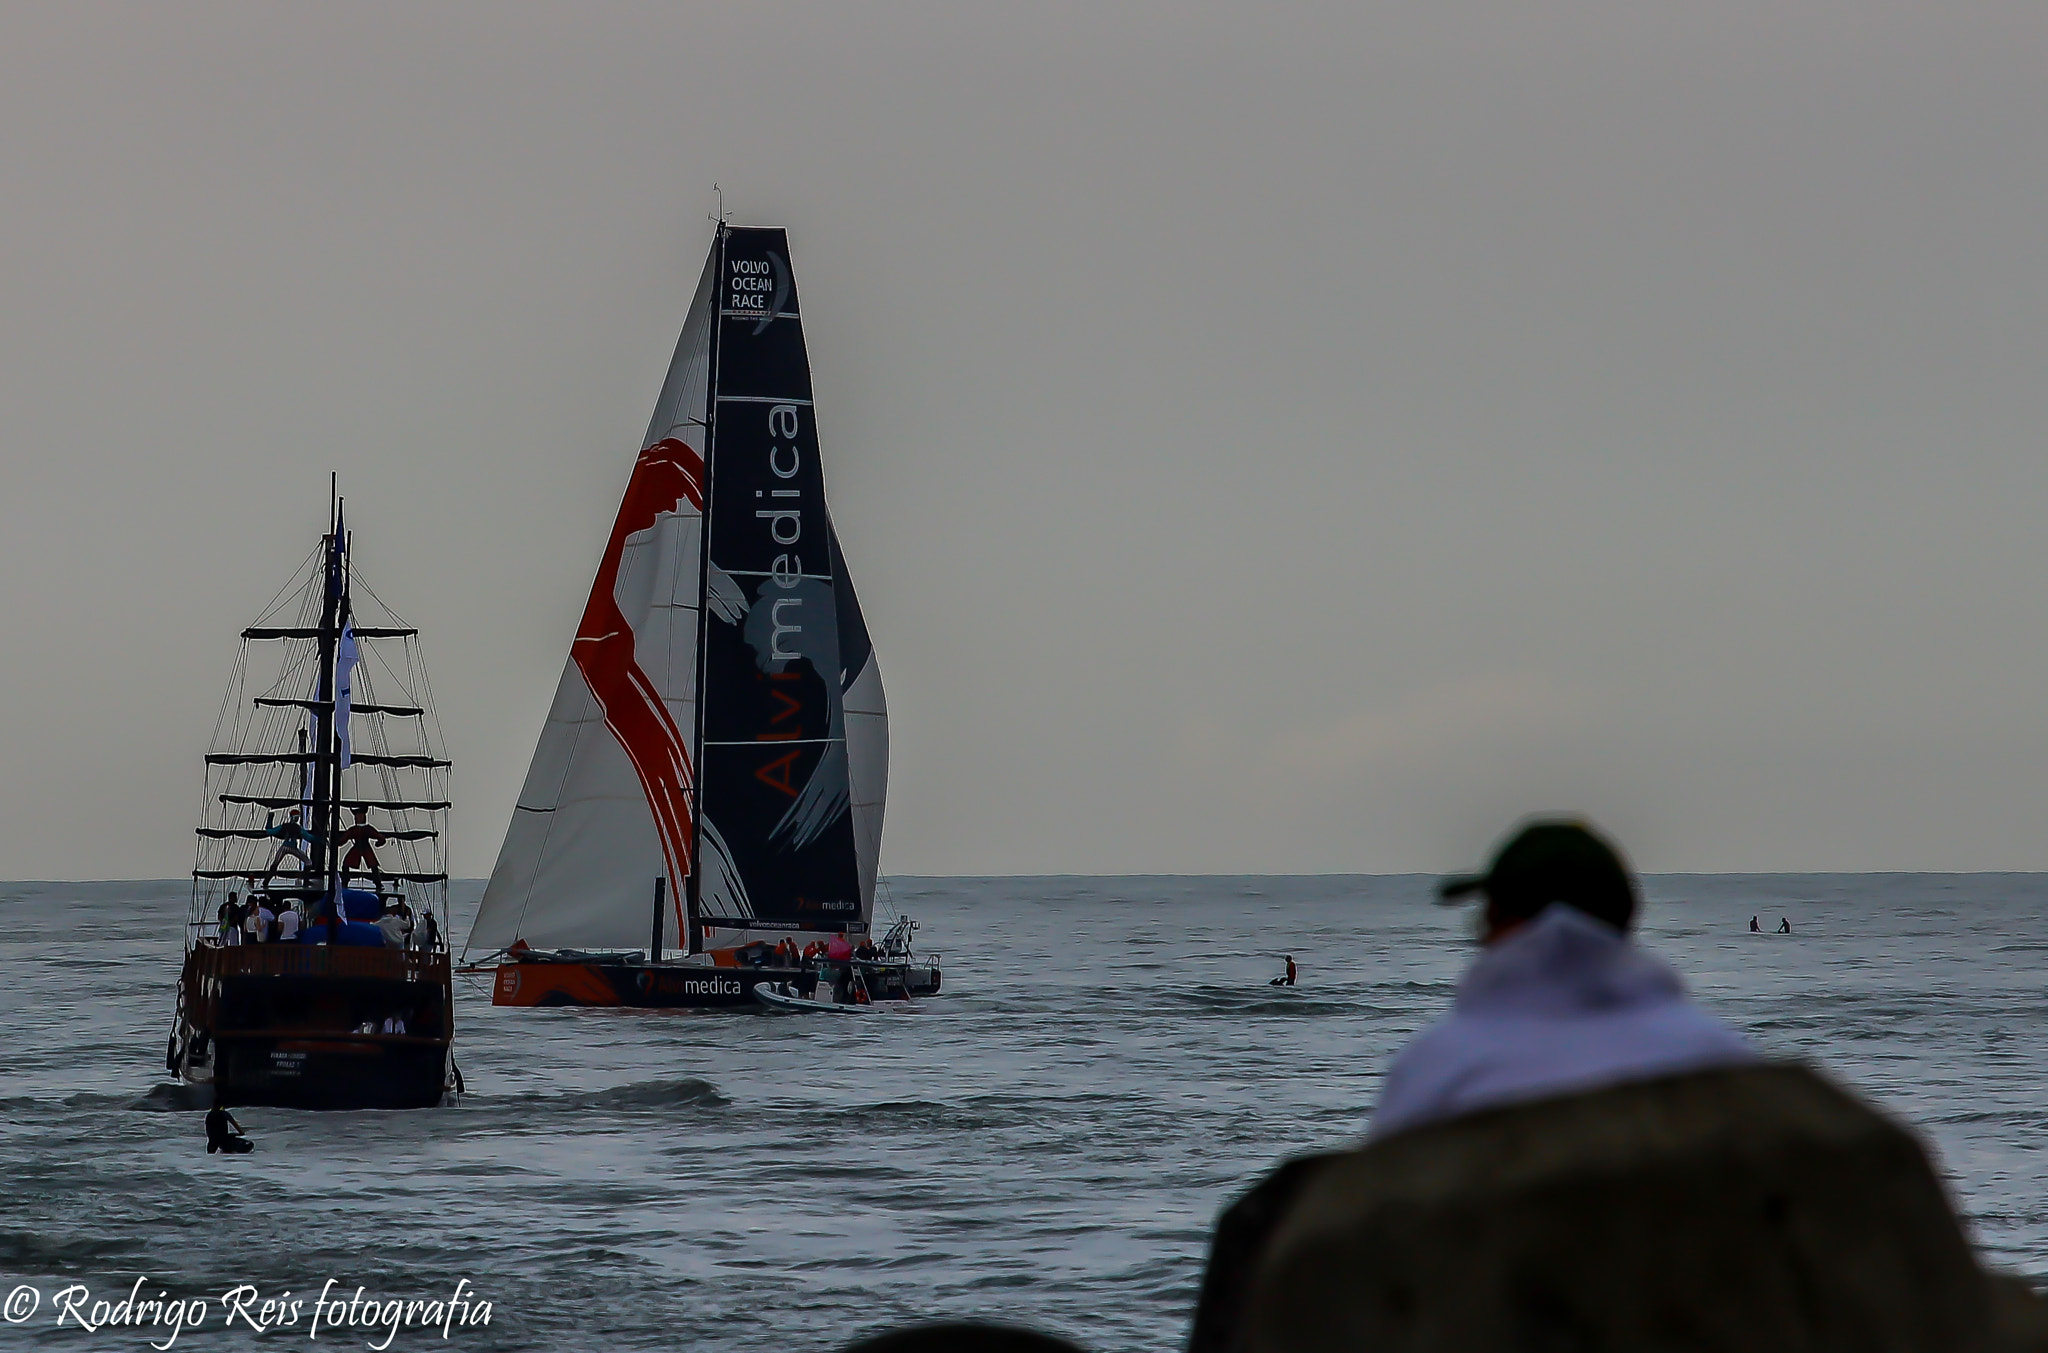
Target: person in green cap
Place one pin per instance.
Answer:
(1561, 999)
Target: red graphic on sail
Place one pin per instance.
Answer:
(666, 474)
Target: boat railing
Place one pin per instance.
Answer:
(887, 960)
(899, 938)
(320, 960)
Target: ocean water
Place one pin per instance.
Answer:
(1047, 1142)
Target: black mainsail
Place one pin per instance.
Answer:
(776, 824)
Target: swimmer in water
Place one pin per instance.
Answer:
(223, 1133)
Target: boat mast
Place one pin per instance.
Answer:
(325, 772)
(344, 615)
(693, 885)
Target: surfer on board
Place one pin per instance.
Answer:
(1561, 999)
(1286, 979)
(1784, 925)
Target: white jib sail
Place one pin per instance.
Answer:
(605, 807)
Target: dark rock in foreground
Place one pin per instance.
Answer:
(962, 1337)
(1750, 1210)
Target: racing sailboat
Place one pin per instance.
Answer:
(708, 786)
(315, 975)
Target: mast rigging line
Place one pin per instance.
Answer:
(253, 763)
(414, 683)
(292, 584)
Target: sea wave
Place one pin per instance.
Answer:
(1058, 1126)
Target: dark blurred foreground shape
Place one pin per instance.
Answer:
(962, 1337)
(1755, 1209)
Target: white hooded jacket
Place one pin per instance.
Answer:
(1565, 1003)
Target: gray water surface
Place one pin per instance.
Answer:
(1047, 1142)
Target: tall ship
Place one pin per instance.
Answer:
(703, 814)
(316, 973)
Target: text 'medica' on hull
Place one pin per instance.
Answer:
(713, 768)
(315, 973)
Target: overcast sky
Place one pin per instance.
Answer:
(1266, 438)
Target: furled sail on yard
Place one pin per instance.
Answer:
(761, 805)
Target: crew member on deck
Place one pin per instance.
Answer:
(360, 837)
(1561, 1000)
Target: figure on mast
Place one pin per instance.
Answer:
(292, 840)
(359, 838)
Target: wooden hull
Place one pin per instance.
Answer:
(273, 1024)
(676, 986)
(332, 1073)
